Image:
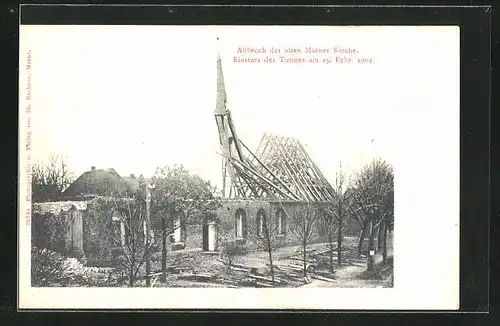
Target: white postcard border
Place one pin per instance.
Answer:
(416, 285)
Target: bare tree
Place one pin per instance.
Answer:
(334, 215)
(49, 180)
(356, 212)
(303, 222)
(267, 235)
(372, 200)
(387, 222)
(330, 225)
(130, 237)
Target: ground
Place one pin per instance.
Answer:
(351, 274)
(194, 268)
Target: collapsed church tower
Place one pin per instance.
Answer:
(279, 176)
(280, 169)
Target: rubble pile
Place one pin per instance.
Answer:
(76, 272)
(194, 262)
(253, 271)
(193, 266)
(53, 269)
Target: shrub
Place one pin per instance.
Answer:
(230, 250)
(47, 267)
(233, 249)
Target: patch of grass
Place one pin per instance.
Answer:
(370, 275)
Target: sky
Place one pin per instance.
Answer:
(134, 98)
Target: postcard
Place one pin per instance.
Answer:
(239, 167)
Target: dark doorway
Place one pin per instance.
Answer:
(205, 237)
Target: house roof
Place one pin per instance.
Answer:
(98, 182)
(132, 181)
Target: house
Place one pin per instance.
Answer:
(133, 182)
(99, 182)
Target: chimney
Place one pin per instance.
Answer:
(92, 168)
(132, 175)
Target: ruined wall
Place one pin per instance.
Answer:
(58, 226)
(226, 223)
(82, 229)
(78, 229)
(98, 245)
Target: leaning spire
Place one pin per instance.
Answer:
(221, 88)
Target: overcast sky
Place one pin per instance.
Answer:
(136, 97)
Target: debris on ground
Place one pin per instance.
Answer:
(68, 271)
(193, 268)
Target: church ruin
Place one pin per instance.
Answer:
(279, 176)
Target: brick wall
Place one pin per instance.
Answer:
(226, 222)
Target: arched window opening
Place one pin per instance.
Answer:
(240, 224)
(261, 219)
(281, 219)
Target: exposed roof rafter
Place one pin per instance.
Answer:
(280, 169)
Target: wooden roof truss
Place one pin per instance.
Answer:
(281, 169)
